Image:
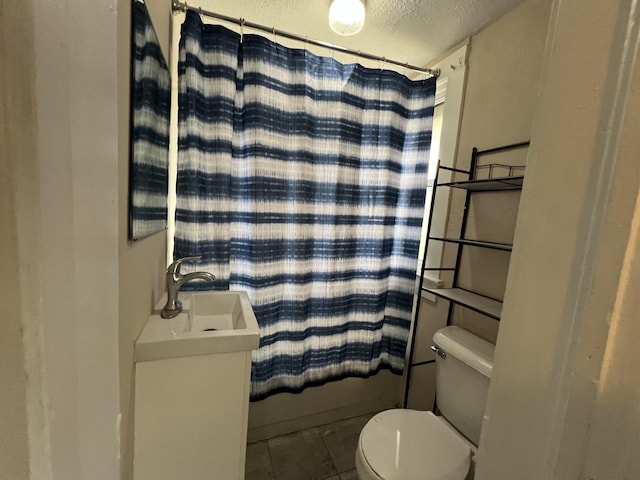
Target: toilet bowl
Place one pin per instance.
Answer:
(411, 445)
(415, 445)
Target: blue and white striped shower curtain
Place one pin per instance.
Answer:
(301, 180)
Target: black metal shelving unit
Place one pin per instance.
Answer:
(472, 184)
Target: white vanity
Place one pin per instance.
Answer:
(192, 389)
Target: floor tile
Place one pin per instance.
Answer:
(350, 475)
(258, 463)
(300, 456)
(341, 439)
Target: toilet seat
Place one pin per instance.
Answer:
(411, 445)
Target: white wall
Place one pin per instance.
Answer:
(563, 402)
(61, 132)
(141, 264)
(16, 119)
(612, 449)
(500, 99)
(504, 61)
(80, 292)
(75, 45)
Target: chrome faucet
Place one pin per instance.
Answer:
(175, 280)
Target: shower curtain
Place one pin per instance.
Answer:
(301, 180)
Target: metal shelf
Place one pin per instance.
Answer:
(473, 301)
(510, 177)
(487, 184)
(475, 243)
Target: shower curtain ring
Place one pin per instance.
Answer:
(273, 30)
(241, 29)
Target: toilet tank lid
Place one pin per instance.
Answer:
(470, 349)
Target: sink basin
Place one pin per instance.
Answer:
(211, 312)
(210, 322)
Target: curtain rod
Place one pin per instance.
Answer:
(178, 6)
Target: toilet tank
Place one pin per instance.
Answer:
(463, 367)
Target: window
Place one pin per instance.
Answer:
(446, 121)
(436, 130)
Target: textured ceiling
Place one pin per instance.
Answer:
(413, 31)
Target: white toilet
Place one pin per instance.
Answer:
(414, 445)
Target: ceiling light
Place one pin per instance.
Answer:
(346, 17)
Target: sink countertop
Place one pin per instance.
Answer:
(170, 338)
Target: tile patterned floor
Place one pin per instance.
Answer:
(321, 453)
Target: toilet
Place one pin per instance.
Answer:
(403, 444)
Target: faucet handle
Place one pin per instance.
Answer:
(174, 268)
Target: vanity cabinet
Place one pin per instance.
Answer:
(192, 386)
(191, 417)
